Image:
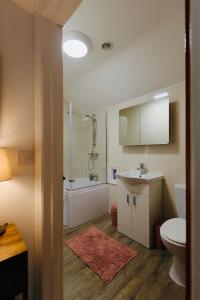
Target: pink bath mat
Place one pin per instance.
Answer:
(104, 255)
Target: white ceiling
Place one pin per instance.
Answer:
(148, 53)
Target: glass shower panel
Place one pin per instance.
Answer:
(84, 148)
(66, 142)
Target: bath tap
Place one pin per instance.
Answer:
(93, 177)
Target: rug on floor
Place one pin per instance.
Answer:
(104, 255)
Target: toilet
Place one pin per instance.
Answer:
(173, 235)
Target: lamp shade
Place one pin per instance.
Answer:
(5, 172)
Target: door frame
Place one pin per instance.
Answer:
(49, 214)
(193, 145)
(49, 160)
(188, 147)
(49, 152)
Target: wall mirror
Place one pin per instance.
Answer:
(145, 124)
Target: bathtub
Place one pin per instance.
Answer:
(80, 183)
(84, 200)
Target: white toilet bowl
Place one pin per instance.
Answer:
(173, 235)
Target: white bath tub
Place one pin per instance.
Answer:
(84, 203)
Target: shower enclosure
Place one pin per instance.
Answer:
(86, 192)
(85, 148)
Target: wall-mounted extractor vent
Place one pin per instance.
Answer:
(107, 46)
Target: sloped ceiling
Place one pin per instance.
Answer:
(148, 53)
(58, 11)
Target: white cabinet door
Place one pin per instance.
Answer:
(124, 215)
(140, 218)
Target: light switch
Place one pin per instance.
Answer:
(25, 157)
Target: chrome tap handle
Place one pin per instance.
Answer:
(134, 200)
(127, 198)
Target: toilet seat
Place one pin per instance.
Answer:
(175, 230)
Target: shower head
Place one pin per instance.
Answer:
(93, 116)
(86, 117)
(94, 126)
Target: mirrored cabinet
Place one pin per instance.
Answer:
(145, 124)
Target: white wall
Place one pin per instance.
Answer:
(166, 159)
(17, 118)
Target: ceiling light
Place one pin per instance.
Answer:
(75, 44)
(162, 95)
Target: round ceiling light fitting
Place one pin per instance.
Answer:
(76, 44)
(107, 46)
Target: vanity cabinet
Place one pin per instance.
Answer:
(139, 208)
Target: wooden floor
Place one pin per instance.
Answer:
(145, 277)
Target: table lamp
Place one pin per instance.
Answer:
(5, 174)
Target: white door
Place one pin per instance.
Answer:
(140, 218)
(124, 215)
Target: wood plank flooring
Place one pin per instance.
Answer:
(146, 277)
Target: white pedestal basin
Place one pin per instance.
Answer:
(136, 178)
(139, 203)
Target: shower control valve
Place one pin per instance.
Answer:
(93, 177)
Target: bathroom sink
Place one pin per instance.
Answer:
(136, 178)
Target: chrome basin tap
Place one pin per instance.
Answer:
(142, 169)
